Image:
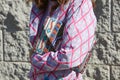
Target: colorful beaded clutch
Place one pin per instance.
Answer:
(46, 41)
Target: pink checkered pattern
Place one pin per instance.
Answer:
(77, 39)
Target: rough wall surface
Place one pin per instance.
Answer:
(14, 46)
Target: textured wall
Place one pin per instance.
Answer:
(14, 46)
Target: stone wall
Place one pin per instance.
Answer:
(14, 46)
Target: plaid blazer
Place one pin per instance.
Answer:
(74, 44)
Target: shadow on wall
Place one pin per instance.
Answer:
(11, 23)
(98, 9)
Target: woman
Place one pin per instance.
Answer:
(72, 41)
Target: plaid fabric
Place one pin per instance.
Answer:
(77, 40)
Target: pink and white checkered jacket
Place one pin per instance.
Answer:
(77, 39)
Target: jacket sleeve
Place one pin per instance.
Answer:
(35, 17)
(78, 36)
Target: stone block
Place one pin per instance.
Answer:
(14, 14)
(116, 15)
(117, 37)
(16, 46)
(117, 41)
(102, 12)
(96, 72)
(115, 73)
(106, 40)
(1, 45)
(1, 20)
(106, 52)
(4, 7)
(102, 56)
(14, 71)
